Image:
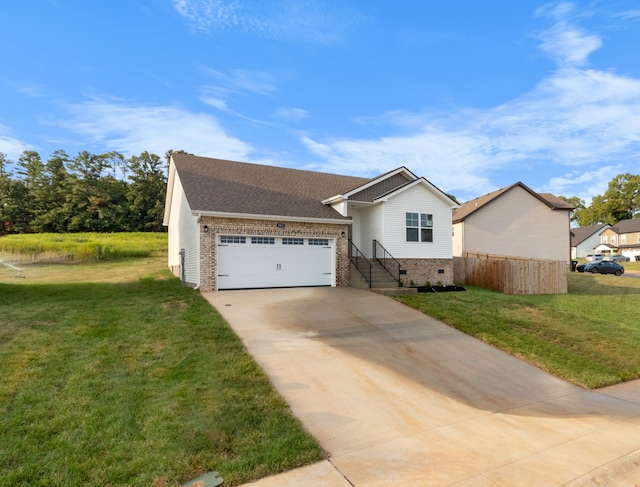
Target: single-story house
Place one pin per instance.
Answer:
(514, 221)
(237, 225)
(584, 240)
(622, 238)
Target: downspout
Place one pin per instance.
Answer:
(199, 253)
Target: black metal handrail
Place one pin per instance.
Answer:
(387, 260)
(360, 261)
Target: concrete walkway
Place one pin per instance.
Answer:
(397, 398)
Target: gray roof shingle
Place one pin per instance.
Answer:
(580, 234)
(222, 186)
(630, 225)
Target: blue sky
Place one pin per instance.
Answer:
(472, 95)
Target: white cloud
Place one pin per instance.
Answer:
(555, 11)
(629, 15)
(132, 129)
(10, 146)
(242, 80)
(321, 21)
(288, 114)
(239, 83)
(584, 185)
(569, 45)
(576, 117)
(33, 91)
(215, 103)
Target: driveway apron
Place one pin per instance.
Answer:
(397, 398)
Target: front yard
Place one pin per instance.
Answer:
(116, 374)
(590, 336)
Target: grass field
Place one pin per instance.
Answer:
(81, 247)
(590, 336)
(116, 374)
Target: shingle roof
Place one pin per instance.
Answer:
(466, 209)
(631, 225)
(222, 186)
(580, 234)
(558, 203)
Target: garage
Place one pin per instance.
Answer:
(246, 262)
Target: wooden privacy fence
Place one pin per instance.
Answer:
(511, 275)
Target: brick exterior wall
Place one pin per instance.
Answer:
(422, 270)
(269, 228)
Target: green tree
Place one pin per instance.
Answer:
(146, 192)
(621, 201)
(51, 210)
(15, 217)
(5, 181)
(95, 202)
(623, 196)
(578, 206)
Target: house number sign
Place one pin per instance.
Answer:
(280, 225)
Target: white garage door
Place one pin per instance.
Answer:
(258, 262)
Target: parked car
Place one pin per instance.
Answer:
(593, 257)
(617, 258)
(601, 267)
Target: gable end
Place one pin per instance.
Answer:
(383, 187)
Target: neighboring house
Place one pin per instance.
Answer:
(235, 225)
(621, 238)
(584, 240)
(514, 221)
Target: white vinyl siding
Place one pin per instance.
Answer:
(518, 224)
(458, 233)
(184, 234)
(417, 199)
(371, 228)
(355, 227)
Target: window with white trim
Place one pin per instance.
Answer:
(227, 239)
(613, 239)
(292, 241)
(263, 240)
(623, 239)
(605, 239)
(419, 227)
(426, 227)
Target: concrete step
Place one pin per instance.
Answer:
(384, 284)
(380, 277)
(395, 291)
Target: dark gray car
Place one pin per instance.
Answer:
(603, 267)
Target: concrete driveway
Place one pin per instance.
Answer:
(397, 398)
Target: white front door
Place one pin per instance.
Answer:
(259, 262)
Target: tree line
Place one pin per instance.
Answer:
(111, 193)
(86, 193)
(621, 201)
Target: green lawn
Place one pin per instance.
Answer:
(590, 336)
(116, 374)
(113, 373)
